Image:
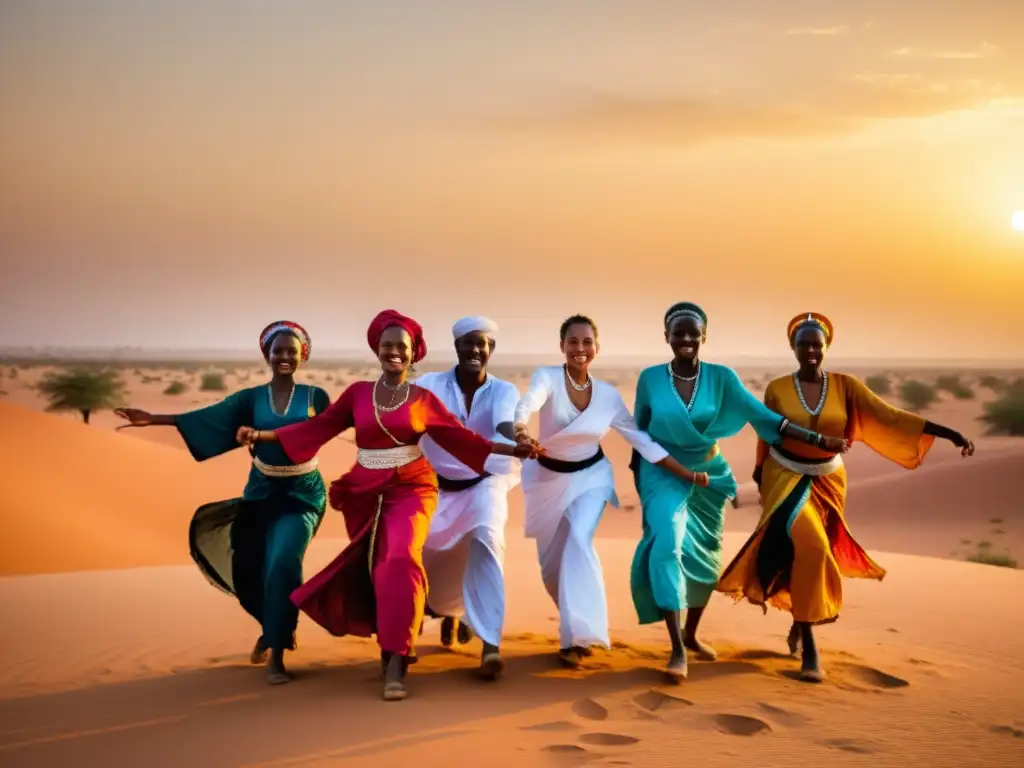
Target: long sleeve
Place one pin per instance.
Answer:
(447, 431)
(623, 423)
(536, 395)
(750, 410)
(762, 446)
(642, 403)
(896, 434)
(211, 431)
(302, 441)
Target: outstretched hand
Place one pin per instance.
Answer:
(966, 446)
(134, 417)
(702, 479)
(246, 436)
(526, 451)
(835, 444)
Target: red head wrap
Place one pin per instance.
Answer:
(285, 326)
(389, 318)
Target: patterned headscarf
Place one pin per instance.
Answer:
(685, 309)
(285, 326)
(812, 320)
(389, 318)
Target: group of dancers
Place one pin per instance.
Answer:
(427, 501)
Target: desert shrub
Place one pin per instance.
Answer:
(992, 382)
(879, 383)
(176, 388)
(916, 395)
(13, 373)
(151, 379)
(955, 387)
(212, 381)
(1005, 415)
(987, 557)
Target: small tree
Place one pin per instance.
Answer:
(83, 391)
(955, 387)
(992, 382)
(916, 395)
(176, 388)
(879, 384)
(1005, 415)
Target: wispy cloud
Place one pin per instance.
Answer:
(819, 31)
(986, 50)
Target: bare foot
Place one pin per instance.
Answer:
(448, 631)
(569, 658)
(704, 651)
(583, 652)
(394, 679)
(276, 672)
(794, 640)
(491, 664)
(260, 652)
(677, 667)
(464, 634)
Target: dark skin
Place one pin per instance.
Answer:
(284, 357)
(685, 335)
(580, 347)
(394, 351)
(810, 345)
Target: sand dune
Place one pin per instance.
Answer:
(119, 653)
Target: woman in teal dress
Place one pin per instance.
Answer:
(252, 547)
(686, 406)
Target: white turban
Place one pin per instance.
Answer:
(484, 325)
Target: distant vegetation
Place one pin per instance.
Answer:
(83, 390)
(176, 388)
(916, 395)
(954, 386)
(992, 382)
(1005, 415)
(879, 383)
(986, 556)
(212, 381)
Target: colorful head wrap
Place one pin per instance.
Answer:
(813, 320)
(285, 326)
(479, 323)
(686, 309)
(389, 318)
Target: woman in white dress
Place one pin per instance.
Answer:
(568, 486)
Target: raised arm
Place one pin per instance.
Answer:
(464, 444)
(536, 395)
(505, 411)
(624, 423)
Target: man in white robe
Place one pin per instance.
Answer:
(465, 549)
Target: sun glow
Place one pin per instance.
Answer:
(1017, 220)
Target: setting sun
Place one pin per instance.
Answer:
(1017, 220)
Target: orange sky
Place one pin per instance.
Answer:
(179, 174)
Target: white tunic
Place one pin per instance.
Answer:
(563, 509)
(570, 435)
(465, 549)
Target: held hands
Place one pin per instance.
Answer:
(246, 436)
(702, 479)
(524, 442)
(966, 446)
(134, 417)
(525, 451)
(835, 444)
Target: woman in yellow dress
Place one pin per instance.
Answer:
(801, 549)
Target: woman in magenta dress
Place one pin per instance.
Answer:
(377, 584)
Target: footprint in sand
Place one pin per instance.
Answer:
(874, 677)
(783, 716)
(1009, 730)
(589, 709)
(653, 700)
(847, 745)
(740, 725)
(557, 725)
(608, 739)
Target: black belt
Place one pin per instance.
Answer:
(565, 467)
(801, 459)
(447, 484)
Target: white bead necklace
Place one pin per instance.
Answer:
(273, 408)
(578, 387)
(821, 398)
(395, 406)
(696, 383)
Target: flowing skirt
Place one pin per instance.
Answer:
(679, 556)
(377, 584)
(253, 550)
(801, 550)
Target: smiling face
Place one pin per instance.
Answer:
(809, 346)
(474, 351)
(580, 345)
(685, 335)
(394, 350)
(285, 354)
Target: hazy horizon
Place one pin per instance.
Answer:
(181, 174)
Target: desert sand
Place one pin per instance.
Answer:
(119, 652)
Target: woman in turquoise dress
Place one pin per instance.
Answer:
(252, 547)
(686, 406)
